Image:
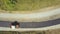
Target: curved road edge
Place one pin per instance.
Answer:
(34, 17)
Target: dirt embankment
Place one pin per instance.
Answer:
(39, 16)
(32, 11)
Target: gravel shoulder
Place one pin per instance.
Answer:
(32, 17)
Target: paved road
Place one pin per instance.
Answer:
(32, 24)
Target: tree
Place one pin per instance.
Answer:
(7, 4)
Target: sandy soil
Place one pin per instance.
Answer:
(32, 17)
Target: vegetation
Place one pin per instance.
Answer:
(28, 32)
(50, 31)
(26, 5)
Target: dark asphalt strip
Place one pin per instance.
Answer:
(32, 24)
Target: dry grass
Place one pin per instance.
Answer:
(53, 31)
(29, 5)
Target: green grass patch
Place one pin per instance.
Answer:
(26, 5)
(27, 32)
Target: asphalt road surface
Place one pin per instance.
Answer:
(32, 24)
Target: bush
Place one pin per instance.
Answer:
(24, 5)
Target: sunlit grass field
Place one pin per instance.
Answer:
(15, 32)
(54, 31)
(26, 5)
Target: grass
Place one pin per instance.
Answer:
(51, 31)
(15, 32)
(26, 5)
